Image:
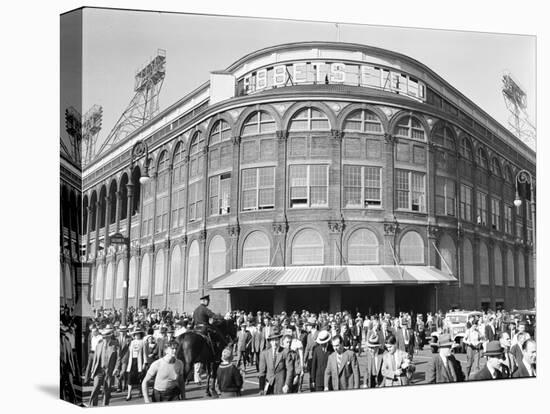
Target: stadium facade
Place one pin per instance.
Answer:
(313, 175)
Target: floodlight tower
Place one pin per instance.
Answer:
(73, 126)
(516, 102)
(91, 126)
(144, 105)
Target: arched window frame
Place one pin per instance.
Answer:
(193, 266)
(365, 250)
(311, 118)
(256, 250)
(217, 257)
(466, 149)
(309, 253)
(364, 121)
(410, 127)
(258, 123)
(408, 249)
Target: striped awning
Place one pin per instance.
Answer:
(330, 275)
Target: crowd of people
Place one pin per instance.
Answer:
(284, 350)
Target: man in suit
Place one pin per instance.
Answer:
(509, 362)
(319, 359)
(244, 339)
(493, 367)
(258, 345)
(276, 366)
(405, 338)
(373, 371)
(311, 327)
(124, 341)
(105, 365)
(385, 331)
(516, 348)
(490, 330)
(161, 341)
(444, 367)
(397, 368)
(527, 366)
(342, 367)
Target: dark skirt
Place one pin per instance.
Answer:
(134, 378)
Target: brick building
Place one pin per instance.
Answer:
(315, 175)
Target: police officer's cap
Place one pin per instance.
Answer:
(206, 297)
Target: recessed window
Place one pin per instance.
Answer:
(362, 186)
(411, 190)
(309, 119)
(444, 137)
(308, 186)
(220, 132)
(256, 250)
(363, 121)
(445, 196)
(258, 188)
(307, 248)
(411, 248)
(410, 127)
(258, 123)
(495, 214)
(178, 187)
(363, 247)
(193, 266)
(216, 257)
(466, 149)
(481, 208)
(465, 202)
(220, 193)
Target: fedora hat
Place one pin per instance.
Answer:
(107, 330)
(275, 334)
(445, 340)
(494, 349)
(373, 341)
(122, 328)
(323, 337)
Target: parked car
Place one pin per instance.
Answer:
(455, 325)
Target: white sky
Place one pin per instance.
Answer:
(118, 42)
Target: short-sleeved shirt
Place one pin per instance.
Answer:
(166, 374)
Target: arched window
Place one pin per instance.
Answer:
(216, 257)
(444, 137)
(159, 273)
(109, 282)
(483, 264)
(220, 156)
(510, 271)
(68, 294)
(175, 270)
(363, 121)
(99, 283)
(193, 267)
(410, 127)
(468, 268)
(132, 278)
(178, 186)
(256, 250)
(113, 202)
(499, 277)
(466, 149)
(495, 167)
(448, 253)
(258, 123)
(482, 158)
(120, 278)
(308, 248)
(163, 184)
(411, 248)
(220, 132)
(195, 193)
(521, 270)
(309, 119)
(144, 277)
(363, 247)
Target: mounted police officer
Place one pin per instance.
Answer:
(201, 321)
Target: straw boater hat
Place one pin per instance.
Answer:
(108, 330)
(122, 328)
(445, 341)
(323, 337)
(373, 341)
(494, 349)
(137, 330)
(275, 334)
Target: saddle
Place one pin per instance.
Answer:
(205, 332)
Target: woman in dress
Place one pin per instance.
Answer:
(136, 362)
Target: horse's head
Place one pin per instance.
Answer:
(227, 327)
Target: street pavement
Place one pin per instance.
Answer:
(196, 392)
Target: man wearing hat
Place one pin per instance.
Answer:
(162, 340)
(311, 327)
(276, 366)
(319, 359)
(201, 320)
(124, 341)
(244, 339)
(373, 372)
(444, 367)
(493, 367)
(105, 365)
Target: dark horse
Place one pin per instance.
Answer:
(194, 347)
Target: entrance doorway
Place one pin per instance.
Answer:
(415, 299)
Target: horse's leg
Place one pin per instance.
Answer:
(208, 375)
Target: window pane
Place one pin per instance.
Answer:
(307, 248)
(256, 250)
(411, 248)
(352, 147)
(298, 147)
(363, 247)
(267, 149)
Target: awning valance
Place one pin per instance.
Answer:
(330, 275)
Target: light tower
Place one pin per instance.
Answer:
(73, 126)
(91, 125)
(144, 105)
(516, 102)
